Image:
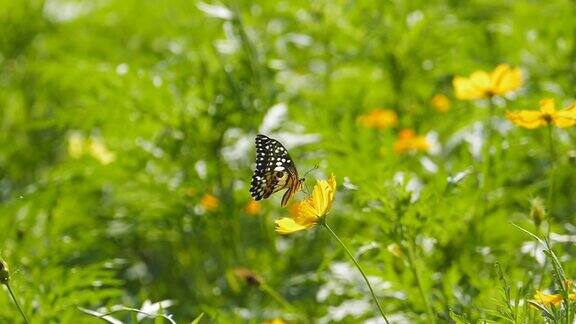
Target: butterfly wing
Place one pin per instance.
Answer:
(274, 170)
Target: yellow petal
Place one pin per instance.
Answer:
(319, 197)
(308, 213)
(481, 80)
(570, 111)
(332, 185)
(548, 106)
(566, 117)
(547, 299)
(526, 118)
(466, 89)
(504, 79)
(288, 226)
(563, 122)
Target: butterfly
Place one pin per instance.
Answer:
(274, 171)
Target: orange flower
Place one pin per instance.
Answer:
(253, 208)
(408, 141)
(547, 115)
(482, 84)
(209, 202)
(441, 103)
(379, 119)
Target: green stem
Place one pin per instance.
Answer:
(276, 296)
(486, 186)
(17, 304)
(359, 268)
(416, 275)
(552, 168)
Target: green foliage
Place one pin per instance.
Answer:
(118, 117)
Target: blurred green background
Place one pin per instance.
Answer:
(126, 152)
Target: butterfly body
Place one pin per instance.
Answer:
(274, 171)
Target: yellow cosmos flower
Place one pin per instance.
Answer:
(310, 211)
(441, 103)
(379, 119)
(408, 141)
(209, 202)
(482, 84)
(253, 208)
(547, 115)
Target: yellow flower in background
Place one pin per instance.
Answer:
(379, 119)
(547, 299)
(310, 211)
(408, 141)
(75, 145)
(78, 145)
(275, 321)
(100, 152)
(482, 84)
(441, 102)
(209, 202)
(253, 208)
(546, 115)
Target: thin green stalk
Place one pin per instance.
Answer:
(486, 185)
(278, 298)
(17, 304)
(359, 269)
(552, 168)
(416, 275)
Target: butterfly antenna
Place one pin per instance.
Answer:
(314, 168)
(307, 191)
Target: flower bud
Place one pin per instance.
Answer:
(537, 211)
(4, 274)
(248, 276)
(395, 249)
